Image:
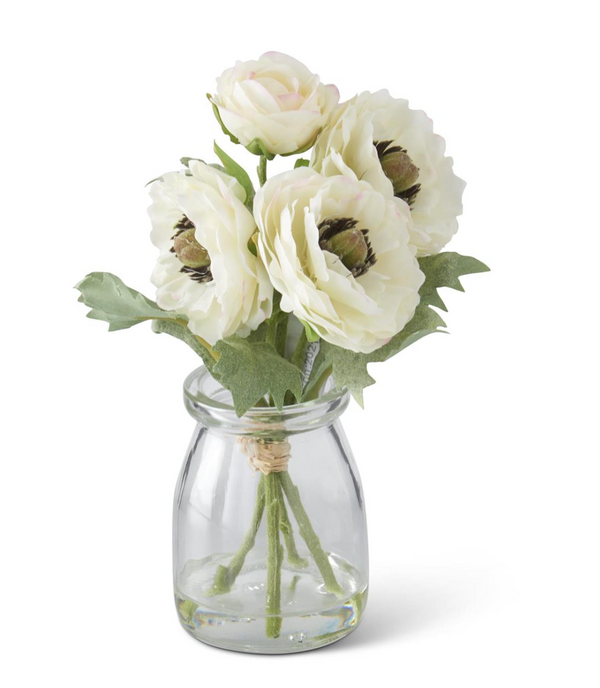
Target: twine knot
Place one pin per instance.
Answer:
(267, 457)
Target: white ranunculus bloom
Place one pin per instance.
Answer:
(275, 99)
(382, 141)
(205, 269)
(339, 253)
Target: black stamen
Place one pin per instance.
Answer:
(383, 148)
(332, 226)
(410, 194)
(198, 274)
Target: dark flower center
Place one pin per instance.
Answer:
(339, 236)
(195, 258)
(399, 169)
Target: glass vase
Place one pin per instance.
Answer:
(270, 539)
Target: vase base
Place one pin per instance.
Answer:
(310, 616)
(287, 649)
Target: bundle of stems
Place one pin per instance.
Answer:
(274, 489)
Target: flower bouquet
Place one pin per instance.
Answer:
(287, 293)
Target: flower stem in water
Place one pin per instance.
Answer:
(309, 535)
(287, 531)
(274, 555)
(226, 575)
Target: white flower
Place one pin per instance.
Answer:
(419, 173)
(339, 253)
(275, 99)
(205, 269)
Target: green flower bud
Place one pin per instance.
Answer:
(189, 251)
(399, 169)
(350, 246)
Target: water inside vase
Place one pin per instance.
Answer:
(310, 615)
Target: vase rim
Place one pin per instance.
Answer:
(200, 389)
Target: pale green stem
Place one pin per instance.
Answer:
(299, 354)
(281, 336)
(262, 170)
(307, 532)
(297, 358)
(274, 556)
(313, 391)
(287, 531)
(226, 575)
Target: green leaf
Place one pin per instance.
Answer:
(257, 147)
(117, 304)
(182, 332)
(252, 370)
(235, 170)
(217, 114)
(349, 369)
(301, 162)
(444, 270)
(311, 335)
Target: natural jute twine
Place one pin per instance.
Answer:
(267, 457)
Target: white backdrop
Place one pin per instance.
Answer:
(478, 451)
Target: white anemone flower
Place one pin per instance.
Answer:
(379, 139)
(205, 269)
(339, 253)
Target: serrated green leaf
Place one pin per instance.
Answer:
(444, 270)
(238, 172)
(217, 114)
(180, 331)
(117, 304)
(349, 369)
(253, 370)
(301, 162)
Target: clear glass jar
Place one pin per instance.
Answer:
(270, 538)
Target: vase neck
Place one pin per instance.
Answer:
(209, 403)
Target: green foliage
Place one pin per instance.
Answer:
(122, 307)
(301, 162)
(180, 331)
(117, 304)
(252, 370)
(311, 335)
(349, 369)
(235, 170)
(444, 270)
(257, 147)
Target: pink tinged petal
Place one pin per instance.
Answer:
(290, 101)
(262, 99)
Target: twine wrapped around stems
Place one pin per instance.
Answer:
(267, 457)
